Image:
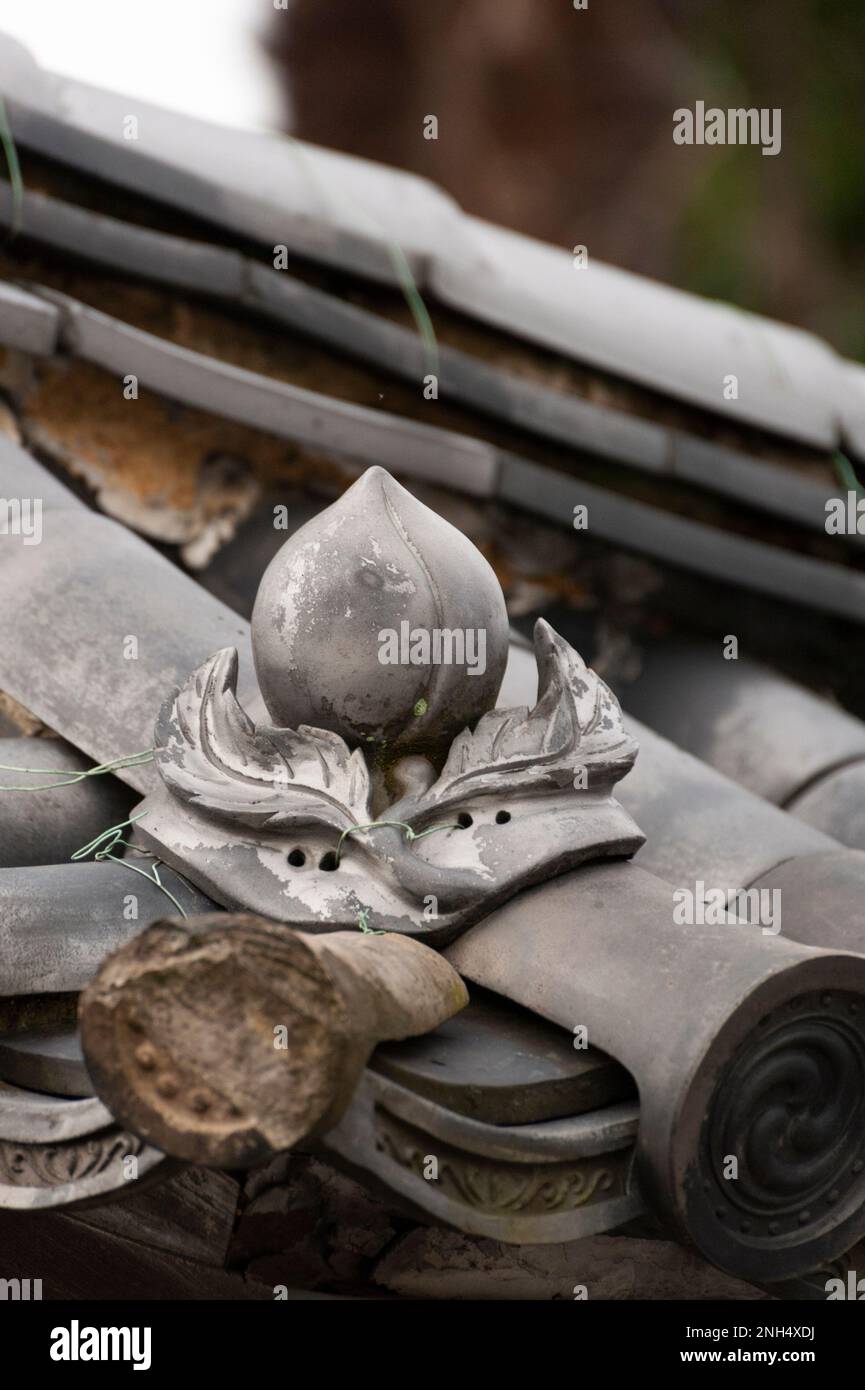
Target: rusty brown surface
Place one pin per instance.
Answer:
(15, 719)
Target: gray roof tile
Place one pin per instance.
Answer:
(27, 322)
(351, 213)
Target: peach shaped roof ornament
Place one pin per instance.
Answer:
(388, 789)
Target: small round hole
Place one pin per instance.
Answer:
(464, 820)
(502, 817)
(328, 861)
(297, 859)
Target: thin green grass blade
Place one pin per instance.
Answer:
(14, 167)
(847, 474)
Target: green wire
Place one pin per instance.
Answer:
(70, 779)
(363, 924)
(103, 845)
(410, 835)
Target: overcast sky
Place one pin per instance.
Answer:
(199, 56)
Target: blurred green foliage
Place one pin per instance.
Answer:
(804, 210)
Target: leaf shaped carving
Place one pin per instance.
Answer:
(577, 722)
(211, 755)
